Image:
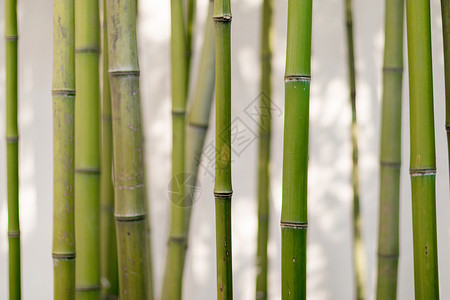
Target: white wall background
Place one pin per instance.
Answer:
(329, 249)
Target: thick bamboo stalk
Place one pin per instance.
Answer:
(423, 157)
(87, 149)
(199, 112)
(359, 257)
(108, 243)
(12, 150)
(63, 149)
(129, 206)
(390, 152)
(173, 273)
(190, 30)
(222, 188)
(294, 214)
(264, 149)
(445, 9)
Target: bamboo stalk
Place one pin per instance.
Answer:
(294, 216)
(445, 9)
(190, 30)
(87, 149)
(173, 273)
(129, 192)
(63, 149)
(12, 150)
(108, 243)
(423, 157)
(222, 187)
(264, 150)
(199, 112)
(359, 257)
(390, 152)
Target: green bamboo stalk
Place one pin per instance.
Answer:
(190, 30)
(173, 273)
(390, 152)
(87, 149)
(359, 259)
(222, 188)
(199, 112)
(294, 214)
(423, 157)
(129, 179)
(63, 149)
(12, 149)
(264, 150)
(108, 243)
(445, 9)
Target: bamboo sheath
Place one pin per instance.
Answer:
(359, 257)
(445, 10)
(130, 210)
(12, 150)
(222, 187)
(108, 244)
(390, 152)
(423, 157)
(87, 149)
(294, 216)
(173, 274)
(199, 112)
(63, 92)
(264, 149)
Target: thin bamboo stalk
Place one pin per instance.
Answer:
(199, 112)
(222, 188)
(173, 273)
(87, 149)
(129, 185)
(423, 157)
(359, 257)
(445, 9)
(63, 149)
(264, 149)
(390, 152)
(12, 150)
(108, 243)
(294, 215)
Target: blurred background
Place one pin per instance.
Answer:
(330, 274)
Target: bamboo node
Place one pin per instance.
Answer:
(63, 92)
(88, 288)
(63, 256)
(178, 112)
(12, 139)
(132, 218)
(422, 172)
(94, 171)
(388, 256)
(393, 69)
(87, 50)
(391, 164)
(123, 73)
(303, 78)
(223, 195)
(447, 128)
(13, 234)
(198, 125)
(11, 38)
(224, 18)
(177, 239)
(293, 225)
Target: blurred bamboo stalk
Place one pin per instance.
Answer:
(12, 150)
(108, 243)
(63, 249)
(359, 257)
(390, 152)
(265, 111)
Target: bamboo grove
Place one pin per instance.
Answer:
(102, 245)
